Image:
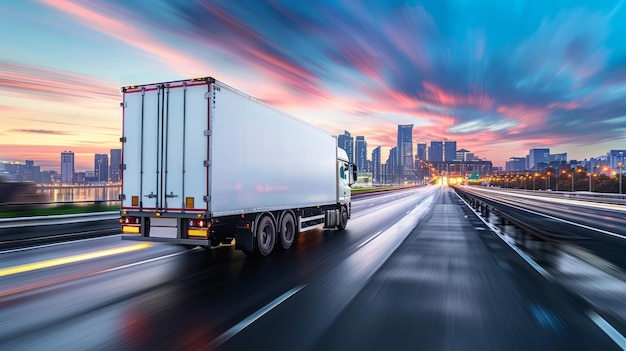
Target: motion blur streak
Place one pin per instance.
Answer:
(71, 259)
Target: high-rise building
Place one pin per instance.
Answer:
(462, 155)
(421, 151)
(435, 151)
(346, 142)
(116, 162)
(614, 157)
(391, 166)
(405, 150)
(537, 156)
(101, 167)
(361, 154)
(376, 169)
(449, 151)
(516, 164)
(67, 167)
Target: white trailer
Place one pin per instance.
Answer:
(204, 163)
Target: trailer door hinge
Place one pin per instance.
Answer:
(206, 198)
(123, 166)
(122, 139)
(207, 95)
(122, 197)
(207, 163)
(123, 104)
(207, 132)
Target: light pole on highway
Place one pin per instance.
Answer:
(548, 180)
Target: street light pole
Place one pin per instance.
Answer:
(573, 174)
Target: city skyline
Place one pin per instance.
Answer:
(497, 78)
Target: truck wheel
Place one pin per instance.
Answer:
(343, 218)
(287, 231)
(265, 236)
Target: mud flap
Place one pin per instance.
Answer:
(244, 239)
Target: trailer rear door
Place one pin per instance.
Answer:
(165, 147)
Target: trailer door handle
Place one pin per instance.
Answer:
(151, 195)
(171, 194)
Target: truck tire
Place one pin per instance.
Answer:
(343, 218)
(287, 231)
(265, 235)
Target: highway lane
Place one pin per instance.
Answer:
(595, 227)
(165, 297)
(452, 285)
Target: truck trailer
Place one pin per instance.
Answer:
(204, 164)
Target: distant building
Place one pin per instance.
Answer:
(115, 163)
(536, 157)
(101, 167)
(405, 151)
(435, 151)
(422, 150)
(516, 164)
(449, 150)
(616, 156)
(346, 142)
(361, 154)
(376, 169)
(67, 167)
(391, 166)
(464, 155)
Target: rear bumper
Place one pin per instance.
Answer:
(201, 242)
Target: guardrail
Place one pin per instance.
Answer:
(25, 231)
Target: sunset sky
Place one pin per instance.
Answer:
(498, 77)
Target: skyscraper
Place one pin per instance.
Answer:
(67, 167)
(405, 150)
(536, 156)
(421, 151)
(101, 167)
(435, 151)
(449, 150)
(116, 161)
(346, 142)
(376, 169)
(391, 166)
(361, 154)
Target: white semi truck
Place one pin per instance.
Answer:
(204, 164)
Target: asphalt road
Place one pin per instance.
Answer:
(412, 271)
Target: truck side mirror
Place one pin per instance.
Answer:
(353, 166)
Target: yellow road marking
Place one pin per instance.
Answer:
(71, 259)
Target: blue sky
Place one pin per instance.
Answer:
(499, 77)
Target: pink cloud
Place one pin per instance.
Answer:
(571, 105)
(53, 84)
(129, 34)
(434, 94)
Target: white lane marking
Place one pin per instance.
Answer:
(522, 254)
(368, 240)
(608, 329)
(57, 244)
(253, 317)
(142, 262)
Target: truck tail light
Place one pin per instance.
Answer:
(198, 228)
(130, 225)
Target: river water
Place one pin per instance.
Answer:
(106, 193)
